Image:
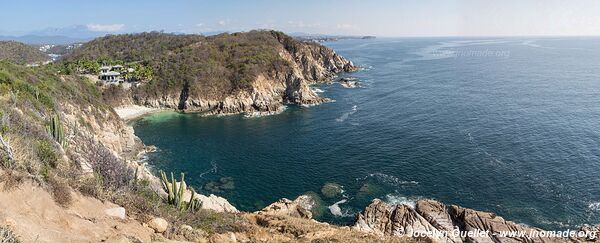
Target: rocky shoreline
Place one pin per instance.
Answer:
(269, 91)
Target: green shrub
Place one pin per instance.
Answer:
(47, 154)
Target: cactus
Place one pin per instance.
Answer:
(194, 203)
(55, 129)
(175, 193)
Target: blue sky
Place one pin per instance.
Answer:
(349, 17)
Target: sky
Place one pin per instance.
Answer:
(385, 18)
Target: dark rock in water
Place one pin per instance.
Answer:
(349, 83)
(224, 183)
(331, 190)
(437, 222)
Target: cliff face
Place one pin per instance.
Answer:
(308, 64)
(437, 222)
(256, 71)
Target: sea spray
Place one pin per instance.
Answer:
(394, 199)
(335, 208)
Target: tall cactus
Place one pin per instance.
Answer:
(55, 129)
(175, 192)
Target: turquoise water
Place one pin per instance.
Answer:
(504, 125)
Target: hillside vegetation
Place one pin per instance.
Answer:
(58, 133)
(213, 67)
(226, 62)
(21, 53)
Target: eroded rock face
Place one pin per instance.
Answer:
(271, 90)
(437, 222)
(301, 207)
(381, 218)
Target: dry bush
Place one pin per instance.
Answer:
(112, 171)
(11, 180)
(60, 190)
(7, 236)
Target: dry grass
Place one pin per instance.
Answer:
(11, 180)
(60, 190)
(7, 236)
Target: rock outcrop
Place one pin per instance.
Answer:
(301, 207)
(435, 221)
(216, 203)
(309, 63)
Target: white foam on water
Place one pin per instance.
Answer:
(400, 200)
(213, 169)
(389, 179)
(595, 206)
(317, 90)
(347, 114)
(336, 210)
(258, 114)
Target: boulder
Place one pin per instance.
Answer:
(216, 203)
(395, 220)
(118, 212)
(159, 225)
(349, 83)
(302, 207)
(437, 222)
(331, 190)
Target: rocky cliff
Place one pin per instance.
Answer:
(256, 71)
(437, 222)
(270, 90)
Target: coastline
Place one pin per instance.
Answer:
(129, 113)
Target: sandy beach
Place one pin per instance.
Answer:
(131, 112)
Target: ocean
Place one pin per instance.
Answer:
(507, 125)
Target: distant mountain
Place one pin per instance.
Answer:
(321, 38)
(75, 31)
(21, 53)
(43, 40)
(57, 36)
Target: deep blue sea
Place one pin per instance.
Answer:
(508, 125)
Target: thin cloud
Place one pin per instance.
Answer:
(346, 26)
(301, 24)
(105, 27)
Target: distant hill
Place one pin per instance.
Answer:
(21, 53)
(227, 73)
(44, 39)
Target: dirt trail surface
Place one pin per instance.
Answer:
(34, 216)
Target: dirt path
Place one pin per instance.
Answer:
(33, 215)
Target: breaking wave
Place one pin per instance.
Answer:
(595, 206)
(389, 179)
(317, 90)
(337, 211)
(398, 199)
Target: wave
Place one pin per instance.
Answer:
(595, 206)
(398, 199)
(258, 114)
(317, 90)
(389, 179)
(347, 114)
(213, 169)
(336, 210)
